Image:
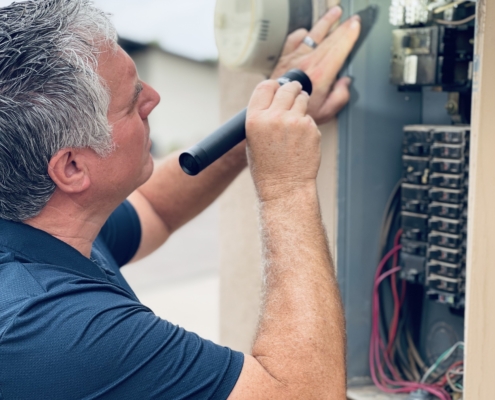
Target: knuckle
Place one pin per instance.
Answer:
(266, 84)
(292, 121)
(310, 123)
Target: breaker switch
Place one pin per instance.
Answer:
(445, 240)
(454, 271)
(454, 227)
(450, 137)
(453, 211)
(447, 166)
(453, 151)
(412, 268)
(452, 300)
(447, 196)
(416, 170)
(447, 181)
(414, 248)
(446, 255)
(415, 226)
(444, 284)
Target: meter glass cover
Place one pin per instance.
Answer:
(234, 26)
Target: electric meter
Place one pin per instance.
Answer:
(251, 34)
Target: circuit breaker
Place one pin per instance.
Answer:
(434, 210)
(433, 56)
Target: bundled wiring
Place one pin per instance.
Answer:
(390, 382)
(445, 356)
(396, 365)
(459, 373)
(444, 380)
(391, 210)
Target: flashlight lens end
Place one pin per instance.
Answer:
(189, 164)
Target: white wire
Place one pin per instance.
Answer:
(446, 355)
(443, 8)
(457, 22)
(452, 384)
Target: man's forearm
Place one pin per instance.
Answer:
(301, 337)
(177, 198)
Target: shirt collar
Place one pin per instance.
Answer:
(37, 246)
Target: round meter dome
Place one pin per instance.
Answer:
(250, 34)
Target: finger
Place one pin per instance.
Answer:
(286, 95)
(294, 40)
(263, 95)
(323, 26)
(337, 47)
(336, 101)
(301, 103)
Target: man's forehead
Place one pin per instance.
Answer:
(116, 67)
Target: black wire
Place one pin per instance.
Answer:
(392, 212)
(384, 229)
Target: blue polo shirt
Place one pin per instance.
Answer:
(72, 328)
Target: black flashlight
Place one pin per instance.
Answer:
(214, 146)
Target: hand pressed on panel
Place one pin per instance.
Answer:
(323, 63)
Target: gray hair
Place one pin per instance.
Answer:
(51, 96)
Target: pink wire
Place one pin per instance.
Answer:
(397, 302)
(377, 343)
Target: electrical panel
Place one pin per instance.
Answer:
(434, 210)
(433, 56)
(411, 123)
(422, 12)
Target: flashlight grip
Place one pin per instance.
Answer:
(214, 146)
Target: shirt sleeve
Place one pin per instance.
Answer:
(122, 233)
(96, 343)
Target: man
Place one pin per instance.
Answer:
(74, 144)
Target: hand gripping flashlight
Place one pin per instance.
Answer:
(210, 149)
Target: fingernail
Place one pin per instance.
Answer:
(355, 21)
(335, 10)
(348, 80)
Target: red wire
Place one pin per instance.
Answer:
(397, 302)
(380, 378)
(443, 382)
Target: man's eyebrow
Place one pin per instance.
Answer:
(137, 91)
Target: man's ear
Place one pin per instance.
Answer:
(69, 170)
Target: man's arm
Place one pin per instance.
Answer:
(171, 198)
(299, 351)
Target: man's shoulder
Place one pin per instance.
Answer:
(31, 290)
(17, 287)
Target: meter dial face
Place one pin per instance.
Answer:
(250, 34)
(234, 28)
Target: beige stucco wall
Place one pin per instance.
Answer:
(240, 273)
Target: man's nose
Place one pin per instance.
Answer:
(152, 100)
